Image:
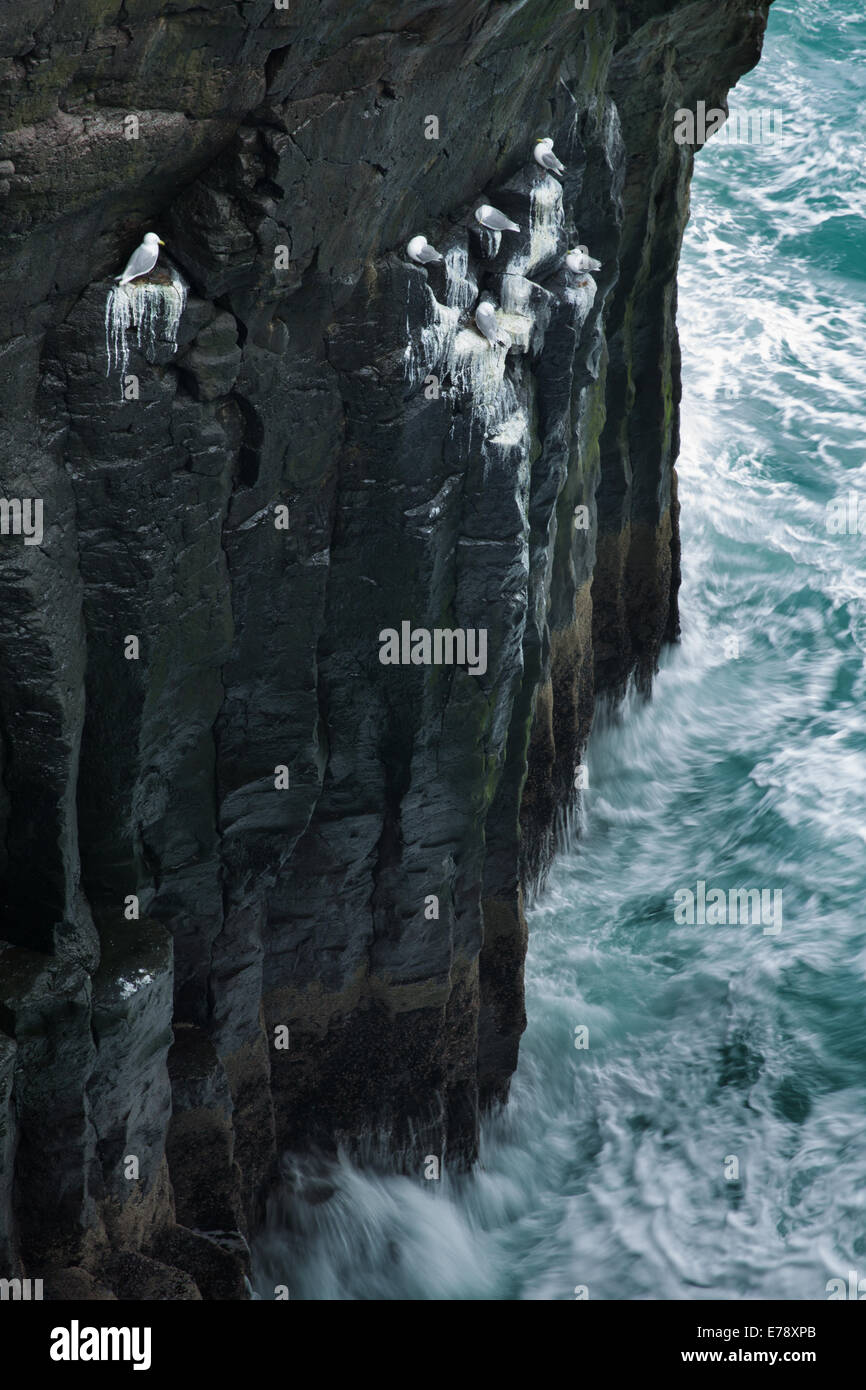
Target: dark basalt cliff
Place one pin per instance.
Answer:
(428, 479)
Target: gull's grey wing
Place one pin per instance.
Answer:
(497, 219)
(550, 161)
(140, 262)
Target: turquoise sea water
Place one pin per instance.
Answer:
(611, 1166)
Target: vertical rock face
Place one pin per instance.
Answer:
(259, 887)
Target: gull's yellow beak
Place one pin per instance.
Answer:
(160, 240)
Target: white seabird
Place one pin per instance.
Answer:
(579, 260)
(494, 220)
(142, 261)
(543, 155)
(485, 319)
(420, 251)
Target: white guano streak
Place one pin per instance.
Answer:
(153, 310)
(545, 224)
(442, 348)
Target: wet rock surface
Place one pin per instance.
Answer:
(257, 888)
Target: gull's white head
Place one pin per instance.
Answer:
(151, 240)
(545, 142)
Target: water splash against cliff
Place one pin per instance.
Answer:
(149, 307)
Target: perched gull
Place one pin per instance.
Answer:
(543, 155)
(142, 261)
(494, 220)
(579, 260)
(420, 251)
(485, 319)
